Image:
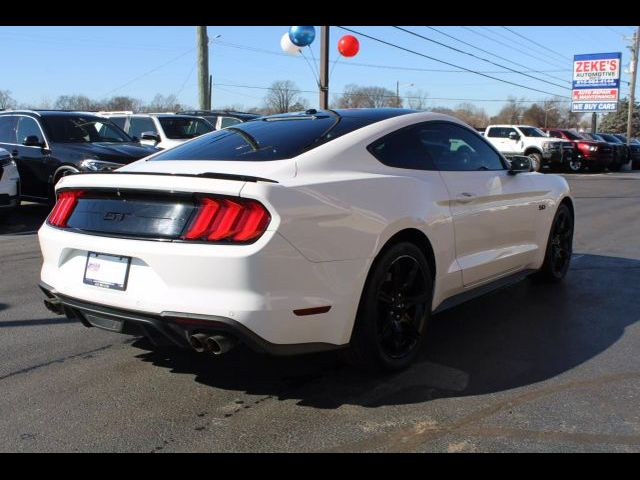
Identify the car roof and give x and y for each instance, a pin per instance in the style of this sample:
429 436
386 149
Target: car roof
372 114
50 113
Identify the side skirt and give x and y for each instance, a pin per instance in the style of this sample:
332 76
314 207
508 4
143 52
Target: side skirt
483 290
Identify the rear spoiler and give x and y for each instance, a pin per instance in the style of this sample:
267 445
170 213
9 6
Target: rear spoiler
219 176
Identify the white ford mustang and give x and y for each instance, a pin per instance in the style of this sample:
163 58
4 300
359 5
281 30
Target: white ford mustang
303 232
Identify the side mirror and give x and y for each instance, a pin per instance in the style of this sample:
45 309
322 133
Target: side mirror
32 141
519 163
150 136
514 136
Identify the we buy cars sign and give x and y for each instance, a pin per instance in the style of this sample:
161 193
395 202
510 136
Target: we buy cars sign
596 82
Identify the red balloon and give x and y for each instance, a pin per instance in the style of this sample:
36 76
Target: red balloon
348 46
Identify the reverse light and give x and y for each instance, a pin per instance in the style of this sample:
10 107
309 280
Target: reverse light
65 204
226 219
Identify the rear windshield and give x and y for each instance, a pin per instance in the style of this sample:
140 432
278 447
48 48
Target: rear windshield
271 138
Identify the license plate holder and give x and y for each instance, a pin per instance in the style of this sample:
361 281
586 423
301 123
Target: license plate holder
107 271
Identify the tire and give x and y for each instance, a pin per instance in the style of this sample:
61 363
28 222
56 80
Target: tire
557 257
575 166
537 161
394 310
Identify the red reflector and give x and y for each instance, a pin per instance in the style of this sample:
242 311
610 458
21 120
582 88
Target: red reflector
235 220
63 208
312 311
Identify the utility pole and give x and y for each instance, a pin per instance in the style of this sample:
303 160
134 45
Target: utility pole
397 93
594 122
210 92
203 67
634 68
324 68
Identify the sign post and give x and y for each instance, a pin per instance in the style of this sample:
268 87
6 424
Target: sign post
596 82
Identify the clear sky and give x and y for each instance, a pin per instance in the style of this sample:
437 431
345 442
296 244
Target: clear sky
44 62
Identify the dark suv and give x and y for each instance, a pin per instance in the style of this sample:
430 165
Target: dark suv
221 118
47 145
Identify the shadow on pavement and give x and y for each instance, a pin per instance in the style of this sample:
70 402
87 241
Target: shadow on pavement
511 338
24 220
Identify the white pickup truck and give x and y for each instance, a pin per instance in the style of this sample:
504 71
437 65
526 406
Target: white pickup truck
546 152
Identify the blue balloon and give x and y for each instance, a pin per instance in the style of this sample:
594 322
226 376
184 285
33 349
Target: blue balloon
302 36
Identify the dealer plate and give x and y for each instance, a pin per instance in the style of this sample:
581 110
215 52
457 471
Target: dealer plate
107 271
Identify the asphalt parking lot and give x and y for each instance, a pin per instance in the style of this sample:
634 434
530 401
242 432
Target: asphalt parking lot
527 368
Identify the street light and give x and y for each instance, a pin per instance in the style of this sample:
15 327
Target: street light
398 90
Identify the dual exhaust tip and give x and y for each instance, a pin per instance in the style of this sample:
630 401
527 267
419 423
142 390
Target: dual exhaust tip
216 344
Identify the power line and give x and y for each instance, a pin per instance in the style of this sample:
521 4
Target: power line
444 62
523 45
505 44
500 57
480 58
564 57
391 67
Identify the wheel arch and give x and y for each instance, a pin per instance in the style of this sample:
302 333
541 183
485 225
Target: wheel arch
531 150
419 239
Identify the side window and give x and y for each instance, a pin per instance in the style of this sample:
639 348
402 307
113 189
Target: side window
8 129
228 121
402 149
555 134
28 127
454 148
137 125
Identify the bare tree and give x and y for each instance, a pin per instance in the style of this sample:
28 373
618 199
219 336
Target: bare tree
162 103
355 96
6 101
284 96
123 103
511 113
417 99
472 115
76 102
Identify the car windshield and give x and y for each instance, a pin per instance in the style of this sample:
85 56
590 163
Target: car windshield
82 129
180 128
572 136
610 138
532 132
270 138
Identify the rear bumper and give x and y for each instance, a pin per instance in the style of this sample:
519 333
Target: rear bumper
173 327
259 287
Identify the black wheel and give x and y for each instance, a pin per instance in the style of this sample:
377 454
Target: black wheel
536 160
394 309
559 247
575 165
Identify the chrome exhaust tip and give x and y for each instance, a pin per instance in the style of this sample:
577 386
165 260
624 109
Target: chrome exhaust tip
220 344
198 342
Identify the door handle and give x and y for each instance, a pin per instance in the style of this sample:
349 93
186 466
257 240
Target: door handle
465 197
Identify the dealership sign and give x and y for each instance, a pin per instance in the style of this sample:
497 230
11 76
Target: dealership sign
596 82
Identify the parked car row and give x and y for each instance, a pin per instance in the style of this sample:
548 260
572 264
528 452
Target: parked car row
568 151
44 145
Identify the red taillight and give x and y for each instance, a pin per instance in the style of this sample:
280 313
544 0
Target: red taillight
224 219
63 208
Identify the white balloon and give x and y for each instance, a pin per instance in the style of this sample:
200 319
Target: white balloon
288 46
